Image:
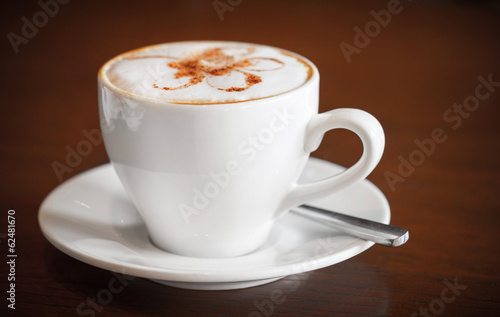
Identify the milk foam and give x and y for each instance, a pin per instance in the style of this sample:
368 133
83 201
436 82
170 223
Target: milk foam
206 72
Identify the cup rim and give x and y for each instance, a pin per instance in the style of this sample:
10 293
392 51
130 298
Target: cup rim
312 78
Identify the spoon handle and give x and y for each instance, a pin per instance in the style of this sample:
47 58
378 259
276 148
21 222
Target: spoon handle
362 228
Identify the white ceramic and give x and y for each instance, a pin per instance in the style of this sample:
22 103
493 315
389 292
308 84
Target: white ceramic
91 218
211 180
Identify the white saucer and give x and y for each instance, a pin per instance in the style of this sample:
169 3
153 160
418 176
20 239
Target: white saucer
90 217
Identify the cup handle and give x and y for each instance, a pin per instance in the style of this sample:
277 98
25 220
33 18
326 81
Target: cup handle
358 121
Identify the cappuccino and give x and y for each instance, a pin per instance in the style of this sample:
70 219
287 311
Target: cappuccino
206 72
209 139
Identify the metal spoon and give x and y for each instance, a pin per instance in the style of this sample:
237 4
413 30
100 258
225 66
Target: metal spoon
365 229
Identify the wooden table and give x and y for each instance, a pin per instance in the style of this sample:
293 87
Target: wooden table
421 68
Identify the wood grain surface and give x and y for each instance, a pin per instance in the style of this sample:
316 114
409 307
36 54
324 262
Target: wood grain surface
428 70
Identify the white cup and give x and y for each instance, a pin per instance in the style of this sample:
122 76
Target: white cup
210 180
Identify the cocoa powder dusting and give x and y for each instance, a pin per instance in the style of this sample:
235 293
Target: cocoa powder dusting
213 62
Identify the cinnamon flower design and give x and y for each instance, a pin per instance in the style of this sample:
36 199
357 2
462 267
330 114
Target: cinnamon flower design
214 62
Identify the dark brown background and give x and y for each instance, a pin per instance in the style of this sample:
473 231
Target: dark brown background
427 59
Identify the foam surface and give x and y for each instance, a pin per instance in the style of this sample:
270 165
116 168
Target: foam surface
206 72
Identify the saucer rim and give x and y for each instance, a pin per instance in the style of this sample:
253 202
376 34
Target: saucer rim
352 249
